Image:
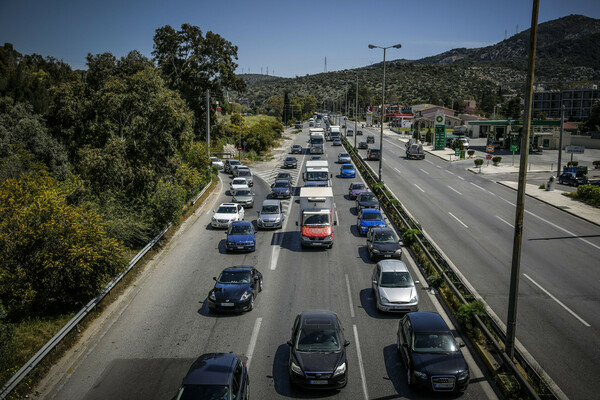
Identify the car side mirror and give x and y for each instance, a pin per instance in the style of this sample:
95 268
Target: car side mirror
289 343
461 344
296 223
417 282
374 282
346 343
214 278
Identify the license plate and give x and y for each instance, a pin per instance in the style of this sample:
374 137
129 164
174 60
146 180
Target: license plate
387 255
268 224
318 382
240 247
227 304
443 385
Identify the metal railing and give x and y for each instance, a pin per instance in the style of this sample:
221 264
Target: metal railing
65 330
487 325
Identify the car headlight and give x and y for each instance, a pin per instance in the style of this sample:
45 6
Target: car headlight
260 221
414 298
277 219
214 219
328 238
245 296
296 369
212 296
420 374
340 370
376 251
384 299
399 251
463 375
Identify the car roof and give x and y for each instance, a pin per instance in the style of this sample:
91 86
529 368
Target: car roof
228 204
366 193
211 369
370 211
347 165
282 180
427 322
296 145
318 319
392 266
270 202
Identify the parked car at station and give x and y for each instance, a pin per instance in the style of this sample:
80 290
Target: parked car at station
235 289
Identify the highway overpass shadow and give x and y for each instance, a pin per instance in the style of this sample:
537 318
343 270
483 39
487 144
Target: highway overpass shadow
353 211
281 379
367 303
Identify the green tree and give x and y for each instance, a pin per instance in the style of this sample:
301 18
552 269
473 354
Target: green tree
592 124
513 108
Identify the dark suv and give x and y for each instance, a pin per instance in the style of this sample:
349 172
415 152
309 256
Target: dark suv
318 351
432 357
215 376
373 154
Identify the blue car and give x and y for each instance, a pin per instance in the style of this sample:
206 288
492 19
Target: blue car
240 237
347 171
369 217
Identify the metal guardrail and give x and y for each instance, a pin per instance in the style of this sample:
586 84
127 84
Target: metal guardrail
485 323
65 330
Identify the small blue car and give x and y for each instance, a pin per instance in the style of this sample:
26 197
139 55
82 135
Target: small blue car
369 217
240 237
347 171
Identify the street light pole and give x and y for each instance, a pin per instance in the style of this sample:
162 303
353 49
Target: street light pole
562 126
397 46
356 112
240 137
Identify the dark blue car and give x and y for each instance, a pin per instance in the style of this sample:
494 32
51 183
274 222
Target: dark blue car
347 171
369 217
235 289
240 237
220 376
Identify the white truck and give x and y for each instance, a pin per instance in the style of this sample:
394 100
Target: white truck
317 172
334 132
316 140
317 217
414 149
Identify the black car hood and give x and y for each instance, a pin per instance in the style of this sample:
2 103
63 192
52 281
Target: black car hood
439 363
230 291
280 190
386 246
313 361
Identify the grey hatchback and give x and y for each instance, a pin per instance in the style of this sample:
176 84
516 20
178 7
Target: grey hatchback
270 215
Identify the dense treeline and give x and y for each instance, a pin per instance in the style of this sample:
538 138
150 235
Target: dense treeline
93 163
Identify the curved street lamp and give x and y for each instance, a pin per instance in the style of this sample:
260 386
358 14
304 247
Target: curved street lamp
372 46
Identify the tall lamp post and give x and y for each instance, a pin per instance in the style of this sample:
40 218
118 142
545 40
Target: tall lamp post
372 46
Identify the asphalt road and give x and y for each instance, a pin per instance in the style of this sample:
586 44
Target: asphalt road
143 347
472 218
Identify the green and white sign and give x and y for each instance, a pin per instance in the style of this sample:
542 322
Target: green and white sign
440 132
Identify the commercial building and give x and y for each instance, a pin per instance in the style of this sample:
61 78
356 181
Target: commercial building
578 102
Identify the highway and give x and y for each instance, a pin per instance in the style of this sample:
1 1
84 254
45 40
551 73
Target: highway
472 220
143 345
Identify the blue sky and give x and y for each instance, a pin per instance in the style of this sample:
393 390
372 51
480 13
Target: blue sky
290 37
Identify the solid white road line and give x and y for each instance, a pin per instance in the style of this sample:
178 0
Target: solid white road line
477 186
419 187
506 222
350 296
564 230
557 300
507 201
398 171
360 364
438 166
462 223
451 188
424 171
253 340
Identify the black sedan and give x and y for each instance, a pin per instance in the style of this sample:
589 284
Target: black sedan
366 200
318 351
290 162
235 289
383 243
432 358
363 145
215 376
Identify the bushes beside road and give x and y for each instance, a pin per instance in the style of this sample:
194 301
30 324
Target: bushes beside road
589 194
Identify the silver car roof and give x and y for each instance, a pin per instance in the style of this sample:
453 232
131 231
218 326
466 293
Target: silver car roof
392 266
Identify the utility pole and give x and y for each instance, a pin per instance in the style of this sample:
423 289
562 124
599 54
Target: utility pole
515 272
208 120
562 127
240 139
356 112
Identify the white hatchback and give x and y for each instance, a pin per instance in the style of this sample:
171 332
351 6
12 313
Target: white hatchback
226 214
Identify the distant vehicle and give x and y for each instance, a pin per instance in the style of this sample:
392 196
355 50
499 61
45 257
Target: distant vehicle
226 214
383 243
281 189
298 125
430 354
296 149
215 376
270 215
215 161
243 197
235 289
334 132
394 288
363 145
373 154
238 183
240 237
344 157
315 158
572 178
465 142
318 351
316 140
366 200
285 176
349 132
359 133
245 173
229 164
347 171
355 189
337 142
369 217
311 124
370 139
415 150
496 144
290 162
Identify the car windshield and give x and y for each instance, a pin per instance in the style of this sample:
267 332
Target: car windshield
373 151
239 181
284 176
396 279
434 343
283 184
234 277
356 186
209 392
316 219
226 210
242 192
317 140
344 155
371 217
385 237
232 163
368 197
318 340
240 230
317 176
270 210
347 167
290 159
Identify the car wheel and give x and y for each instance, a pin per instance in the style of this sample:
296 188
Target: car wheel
251 304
